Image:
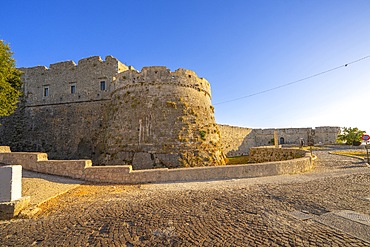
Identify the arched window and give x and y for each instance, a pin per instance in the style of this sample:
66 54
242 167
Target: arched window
281 140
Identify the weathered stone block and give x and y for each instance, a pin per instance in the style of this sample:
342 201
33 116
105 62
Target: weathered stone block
5 149
142 161
10 183
11 209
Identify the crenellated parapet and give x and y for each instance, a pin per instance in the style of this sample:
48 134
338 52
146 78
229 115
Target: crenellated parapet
94 79
66 82
62 66
160 75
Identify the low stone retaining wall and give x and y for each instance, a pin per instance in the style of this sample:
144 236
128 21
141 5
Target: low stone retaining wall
83 169
269 153
4 149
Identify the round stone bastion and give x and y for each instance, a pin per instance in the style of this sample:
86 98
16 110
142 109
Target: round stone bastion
158 118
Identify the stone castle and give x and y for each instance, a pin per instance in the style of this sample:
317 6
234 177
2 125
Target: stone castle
113 114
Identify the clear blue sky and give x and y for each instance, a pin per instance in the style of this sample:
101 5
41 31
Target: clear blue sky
241 47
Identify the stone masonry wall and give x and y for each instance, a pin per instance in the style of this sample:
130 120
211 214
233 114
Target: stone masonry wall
268 154
326 135
237 140
83 169
323 135
285 136
63 121
86 77
64 131
160 118
113 114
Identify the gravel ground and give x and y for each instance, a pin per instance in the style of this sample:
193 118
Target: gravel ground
288 210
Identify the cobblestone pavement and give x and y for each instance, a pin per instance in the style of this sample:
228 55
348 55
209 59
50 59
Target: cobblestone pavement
270 211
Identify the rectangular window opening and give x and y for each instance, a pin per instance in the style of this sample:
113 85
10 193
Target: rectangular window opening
46 91
102 85
73 89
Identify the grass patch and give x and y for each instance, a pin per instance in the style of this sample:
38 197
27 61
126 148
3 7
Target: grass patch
202 134
238 160
358 154
307 148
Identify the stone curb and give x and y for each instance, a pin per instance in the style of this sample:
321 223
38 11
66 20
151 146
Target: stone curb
352 156
10 210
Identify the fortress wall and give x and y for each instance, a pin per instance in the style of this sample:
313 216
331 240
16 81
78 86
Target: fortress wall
64 131
157 119
290 136
236 141
66 125
326 135
60 77
150 118
67 131
323 135
162 75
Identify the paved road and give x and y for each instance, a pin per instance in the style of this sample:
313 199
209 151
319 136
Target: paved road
296 210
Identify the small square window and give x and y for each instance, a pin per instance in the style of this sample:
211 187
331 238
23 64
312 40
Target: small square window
102 86
73 89
46 91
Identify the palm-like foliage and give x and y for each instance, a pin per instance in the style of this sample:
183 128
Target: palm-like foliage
350 135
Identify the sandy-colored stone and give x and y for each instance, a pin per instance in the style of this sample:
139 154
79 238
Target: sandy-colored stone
9 210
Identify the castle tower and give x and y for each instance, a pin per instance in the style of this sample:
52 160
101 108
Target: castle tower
62 108
158 118
108 112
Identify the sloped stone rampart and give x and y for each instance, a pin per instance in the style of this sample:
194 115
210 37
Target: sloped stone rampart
83 169
236 141
71 130
268 154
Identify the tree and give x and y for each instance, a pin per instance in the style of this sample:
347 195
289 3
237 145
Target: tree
10 81
350 136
